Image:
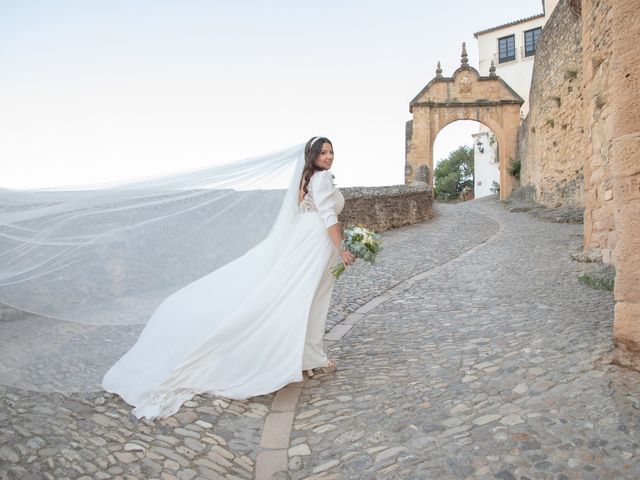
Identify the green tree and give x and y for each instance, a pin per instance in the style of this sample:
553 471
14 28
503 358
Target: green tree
454 173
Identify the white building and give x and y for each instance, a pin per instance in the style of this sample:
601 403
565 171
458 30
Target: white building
485 164
511 49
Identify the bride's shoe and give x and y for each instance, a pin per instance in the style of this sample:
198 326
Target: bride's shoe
328 368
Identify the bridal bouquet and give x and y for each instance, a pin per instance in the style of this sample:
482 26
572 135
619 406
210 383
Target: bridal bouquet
362 242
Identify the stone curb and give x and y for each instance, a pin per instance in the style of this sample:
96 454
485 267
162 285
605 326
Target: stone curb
274 442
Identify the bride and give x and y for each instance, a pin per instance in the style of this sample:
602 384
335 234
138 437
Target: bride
253 325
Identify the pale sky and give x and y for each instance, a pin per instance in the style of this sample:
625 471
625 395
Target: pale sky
93 91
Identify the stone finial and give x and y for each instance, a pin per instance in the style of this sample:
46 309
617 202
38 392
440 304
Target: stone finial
439 70
492 69
464 58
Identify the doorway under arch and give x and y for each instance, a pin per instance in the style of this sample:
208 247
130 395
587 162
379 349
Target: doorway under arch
482 141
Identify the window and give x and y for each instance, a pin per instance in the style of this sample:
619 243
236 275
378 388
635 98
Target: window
531 41
506 48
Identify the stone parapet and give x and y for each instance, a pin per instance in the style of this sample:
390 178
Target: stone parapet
383 208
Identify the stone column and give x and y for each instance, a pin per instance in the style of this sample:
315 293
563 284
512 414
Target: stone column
625 73
419 154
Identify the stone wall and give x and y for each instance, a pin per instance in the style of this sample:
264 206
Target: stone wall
624 78
600 237
383 208
550 138
564 144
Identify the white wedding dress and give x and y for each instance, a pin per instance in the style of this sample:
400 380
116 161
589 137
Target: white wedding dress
246 329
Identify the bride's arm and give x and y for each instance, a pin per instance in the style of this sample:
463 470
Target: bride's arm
322 186
336 237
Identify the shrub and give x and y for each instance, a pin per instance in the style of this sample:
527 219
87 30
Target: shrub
597 282
514 169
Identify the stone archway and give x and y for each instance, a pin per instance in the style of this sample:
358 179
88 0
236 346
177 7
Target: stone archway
464 96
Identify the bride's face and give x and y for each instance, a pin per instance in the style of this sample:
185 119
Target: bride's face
325 157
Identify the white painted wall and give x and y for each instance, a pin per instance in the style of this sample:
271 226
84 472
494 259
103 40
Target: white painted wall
485 164
549 5
517 73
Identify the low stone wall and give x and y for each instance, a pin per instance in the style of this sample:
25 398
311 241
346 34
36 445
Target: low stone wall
383 208
11 314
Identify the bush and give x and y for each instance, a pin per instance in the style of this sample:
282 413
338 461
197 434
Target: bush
514 169
495 187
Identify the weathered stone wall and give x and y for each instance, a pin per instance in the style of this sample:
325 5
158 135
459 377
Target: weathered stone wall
564 144
550 138
383 208
624 74
600 237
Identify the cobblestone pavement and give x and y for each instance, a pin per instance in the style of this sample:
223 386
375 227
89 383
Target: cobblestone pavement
407 252
495 364
479 355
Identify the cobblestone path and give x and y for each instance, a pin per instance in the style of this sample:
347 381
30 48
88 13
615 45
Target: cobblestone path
473 352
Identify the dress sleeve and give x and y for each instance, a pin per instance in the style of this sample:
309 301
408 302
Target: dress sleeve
322 192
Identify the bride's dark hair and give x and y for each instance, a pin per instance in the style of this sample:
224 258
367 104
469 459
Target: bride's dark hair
311 153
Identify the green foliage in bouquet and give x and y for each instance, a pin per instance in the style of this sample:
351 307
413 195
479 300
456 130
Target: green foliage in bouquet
362 242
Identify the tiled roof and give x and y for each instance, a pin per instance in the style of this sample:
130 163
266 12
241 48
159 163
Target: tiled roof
515 22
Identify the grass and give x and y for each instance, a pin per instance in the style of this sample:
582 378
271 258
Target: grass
598 283
514 168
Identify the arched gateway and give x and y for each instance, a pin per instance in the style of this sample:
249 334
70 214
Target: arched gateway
464 96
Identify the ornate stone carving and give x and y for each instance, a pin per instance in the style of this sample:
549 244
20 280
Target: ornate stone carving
465 84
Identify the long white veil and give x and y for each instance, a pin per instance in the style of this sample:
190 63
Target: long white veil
82 270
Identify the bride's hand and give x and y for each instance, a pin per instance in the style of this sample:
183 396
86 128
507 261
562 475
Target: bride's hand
347 257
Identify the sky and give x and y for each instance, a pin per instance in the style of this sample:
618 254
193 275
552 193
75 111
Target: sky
94 92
